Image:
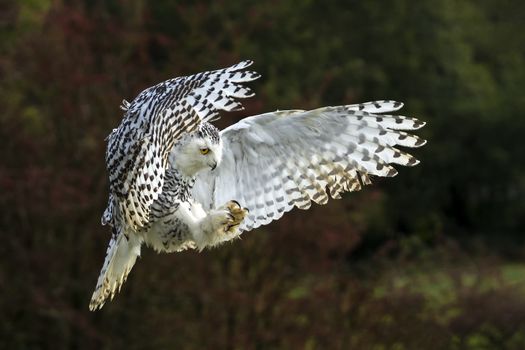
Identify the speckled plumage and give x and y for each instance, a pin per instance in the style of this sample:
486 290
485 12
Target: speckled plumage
138 149
143 185
163 193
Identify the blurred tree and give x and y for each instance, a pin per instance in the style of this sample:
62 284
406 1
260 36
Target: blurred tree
350 275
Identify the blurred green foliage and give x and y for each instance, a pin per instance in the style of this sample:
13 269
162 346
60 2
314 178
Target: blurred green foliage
432 259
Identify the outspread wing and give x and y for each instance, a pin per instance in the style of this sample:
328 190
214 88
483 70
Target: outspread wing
137 150
277 161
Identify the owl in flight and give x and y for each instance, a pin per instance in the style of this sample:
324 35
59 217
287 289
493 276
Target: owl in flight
177 182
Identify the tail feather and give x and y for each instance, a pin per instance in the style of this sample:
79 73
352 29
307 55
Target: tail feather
121 255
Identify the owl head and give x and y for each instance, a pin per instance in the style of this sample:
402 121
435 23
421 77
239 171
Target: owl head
197 151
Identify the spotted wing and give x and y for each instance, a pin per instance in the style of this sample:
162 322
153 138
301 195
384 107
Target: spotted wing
137 150
277 161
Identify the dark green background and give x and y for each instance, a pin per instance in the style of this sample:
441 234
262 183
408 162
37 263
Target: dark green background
432 259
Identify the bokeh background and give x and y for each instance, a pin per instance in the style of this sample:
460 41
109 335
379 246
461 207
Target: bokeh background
432 259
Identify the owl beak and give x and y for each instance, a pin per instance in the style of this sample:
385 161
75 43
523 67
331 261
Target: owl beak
213 166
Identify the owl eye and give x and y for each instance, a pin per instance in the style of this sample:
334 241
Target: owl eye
205 150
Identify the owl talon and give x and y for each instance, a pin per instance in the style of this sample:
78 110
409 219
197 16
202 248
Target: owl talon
232 228
236 213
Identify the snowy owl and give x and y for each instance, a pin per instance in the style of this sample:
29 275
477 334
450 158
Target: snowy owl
177 182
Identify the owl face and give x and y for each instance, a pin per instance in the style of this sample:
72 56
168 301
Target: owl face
205 151
198 151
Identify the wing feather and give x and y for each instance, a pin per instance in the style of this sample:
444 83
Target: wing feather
288 159
138 149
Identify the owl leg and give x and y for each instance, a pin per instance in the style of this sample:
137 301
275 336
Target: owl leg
191 227
238 213
220 225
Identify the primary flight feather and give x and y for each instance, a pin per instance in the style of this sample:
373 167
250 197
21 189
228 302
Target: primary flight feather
176 182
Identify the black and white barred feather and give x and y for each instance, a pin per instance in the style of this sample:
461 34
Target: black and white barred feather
276 161
143 186
138 149
271 163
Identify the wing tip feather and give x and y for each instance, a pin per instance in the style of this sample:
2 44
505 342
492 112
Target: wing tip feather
420 142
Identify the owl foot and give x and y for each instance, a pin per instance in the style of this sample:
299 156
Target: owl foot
238 213
222 224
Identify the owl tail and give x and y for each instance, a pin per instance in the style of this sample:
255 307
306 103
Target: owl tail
121 255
